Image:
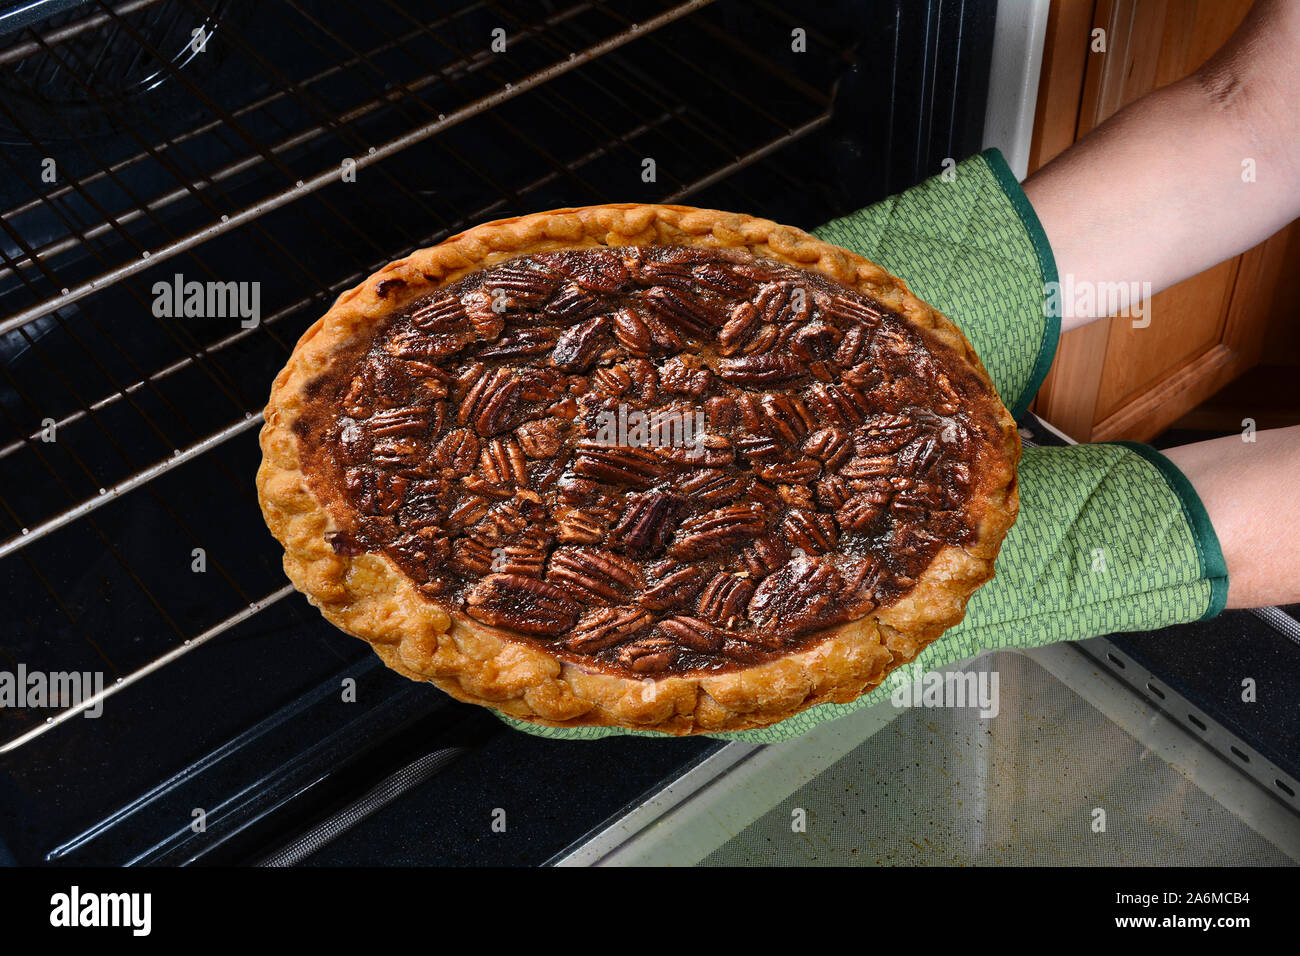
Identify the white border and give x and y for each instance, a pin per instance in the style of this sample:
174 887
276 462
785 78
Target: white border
1018 35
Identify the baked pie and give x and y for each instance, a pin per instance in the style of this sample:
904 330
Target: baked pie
651 466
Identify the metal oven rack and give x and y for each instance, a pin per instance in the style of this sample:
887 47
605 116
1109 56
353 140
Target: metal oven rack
214 179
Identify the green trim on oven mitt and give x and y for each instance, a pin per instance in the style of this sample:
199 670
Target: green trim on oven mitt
1110 538
968 242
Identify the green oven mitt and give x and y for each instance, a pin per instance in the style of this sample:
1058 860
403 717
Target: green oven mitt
1110 537
968 242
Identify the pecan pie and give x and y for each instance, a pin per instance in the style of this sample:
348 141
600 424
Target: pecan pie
651 466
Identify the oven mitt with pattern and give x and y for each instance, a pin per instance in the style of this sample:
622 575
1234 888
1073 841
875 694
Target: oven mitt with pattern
968 242
1110 537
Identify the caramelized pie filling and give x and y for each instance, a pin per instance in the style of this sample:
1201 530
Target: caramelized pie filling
651 460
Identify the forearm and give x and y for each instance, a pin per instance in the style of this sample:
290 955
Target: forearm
1157 193
1249 490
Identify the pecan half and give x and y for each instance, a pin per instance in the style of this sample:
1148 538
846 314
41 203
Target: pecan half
520 603
648 655
502 463
521 343
426 550
457 451
720 277
594 575
725 598
540 384
632 333
798 598
444 314
831 446
739 328
705 450
579 347
638 467
884 433
582 525
713 486
604 627
602 273
682 310
786 417
396 452
539 439
853 347
758 447
919 457
766 554
862 511
505 520
858 593
761 370
415 344
832 492
785 303
467 511
693 633
472 556
797 472
838 403
849 311
675 587
815 342
489 401
810 530
613 381
874 466
573 303
648 522
679 375
675 275
375 492
716 530
411 420
514 288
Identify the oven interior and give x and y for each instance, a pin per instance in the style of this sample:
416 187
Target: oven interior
294 147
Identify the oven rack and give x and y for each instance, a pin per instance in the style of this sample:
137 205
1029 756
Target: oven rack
230 215
34 268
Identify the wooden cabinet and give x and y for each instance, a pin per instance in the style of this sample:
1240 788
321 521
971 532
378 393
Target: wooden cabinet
1111 380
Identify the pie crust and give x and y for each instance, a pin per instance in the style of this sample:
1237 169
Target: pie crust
365 592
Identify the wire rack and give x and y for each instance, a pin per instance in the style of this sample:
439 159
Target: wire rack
292 147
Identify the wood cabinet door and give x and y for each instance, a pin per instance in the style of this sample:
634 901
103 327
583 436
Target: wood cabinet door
1117 378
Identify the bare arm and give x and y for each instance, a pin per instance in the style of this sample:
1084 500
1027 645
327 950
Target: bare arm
1252 492
1156 193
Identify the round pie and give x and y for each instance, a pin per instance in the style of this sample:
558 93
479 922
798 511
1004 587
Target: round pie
657 467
